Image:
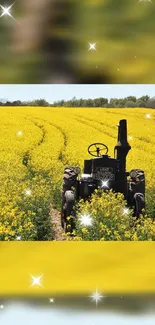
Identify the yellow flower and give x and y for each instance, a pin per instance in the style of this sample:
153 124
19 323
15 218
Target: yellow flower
84 230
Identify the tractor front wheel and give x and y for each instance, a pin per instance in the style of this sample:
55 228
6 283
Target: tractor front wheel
69 211
68 199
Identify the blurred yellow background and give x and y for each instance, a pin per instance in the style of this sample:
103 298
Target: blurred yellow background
77 267
50 41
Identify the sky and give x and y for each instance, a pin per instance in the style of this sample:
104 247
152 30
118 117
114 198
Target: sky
53 93
20 314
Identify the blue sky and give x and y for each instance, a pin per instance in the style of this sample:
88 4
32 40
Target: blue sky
56 92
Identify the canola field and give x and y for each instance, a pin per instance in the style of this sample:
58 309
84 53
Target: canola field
37 143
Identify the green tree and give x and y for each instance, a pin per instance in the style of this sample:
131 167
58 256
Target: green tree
132 98
130 103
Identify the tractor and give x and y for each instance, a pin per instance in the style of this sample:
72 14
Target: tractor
105 172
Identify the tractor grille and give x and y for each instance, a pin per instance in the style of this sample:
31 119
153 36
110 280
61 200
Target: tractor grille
104 174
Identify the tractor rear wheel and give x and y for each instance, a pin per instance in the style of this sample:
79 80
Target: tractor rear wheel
136 197
68 199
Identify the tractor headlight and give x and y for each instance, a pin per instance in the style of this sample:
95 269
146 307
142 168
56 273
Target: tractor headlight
86 176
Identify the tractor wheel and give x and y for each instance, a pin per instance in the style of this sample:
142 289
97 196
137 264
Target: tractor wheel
69 211
136 197
68 199
139 204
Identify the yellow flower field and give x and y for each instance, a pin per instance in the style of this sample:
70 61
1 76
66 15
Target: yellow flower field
37 143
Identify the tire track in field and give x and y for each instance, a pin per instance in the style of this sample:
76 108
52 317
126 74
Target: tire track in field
96 121
27 156
110 127
56 223
41 222
62 132
54 214
137 115
82 120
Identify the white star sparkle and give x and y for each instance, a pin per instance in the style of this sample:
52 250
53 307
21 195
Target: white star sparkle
18 238
6 11
36 281
19 133
51 300
125 211
96 296
105 184
85 220
92 46
28 192
130 137
1 306
148 115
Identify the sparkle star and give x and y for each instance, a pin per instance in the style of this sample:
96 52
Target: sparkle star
51 300
6 11
105 184
130 137
96 296
28 192
92 46
125 211
19 133
36 281
1 306
85 220
18 238
148 115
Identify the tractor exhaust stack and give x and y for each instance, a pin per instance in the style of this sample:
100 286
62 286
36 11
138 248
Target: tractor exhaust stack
122 146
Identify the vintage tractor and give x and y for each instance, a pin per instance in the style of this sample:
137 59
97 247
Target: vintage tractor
106 173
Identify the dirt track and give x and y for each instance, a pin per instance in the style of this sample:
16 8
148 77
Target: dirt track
56 224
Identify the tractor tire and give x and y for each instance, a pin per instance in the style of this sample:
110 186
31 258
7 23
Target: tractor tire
139 204
69 210
136 197
68 199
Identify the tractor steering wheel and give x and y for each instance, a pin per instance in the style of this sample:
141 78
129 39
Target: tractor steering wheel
98 148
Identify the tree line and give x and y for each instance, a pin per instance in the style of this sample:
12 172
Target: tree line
130 101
